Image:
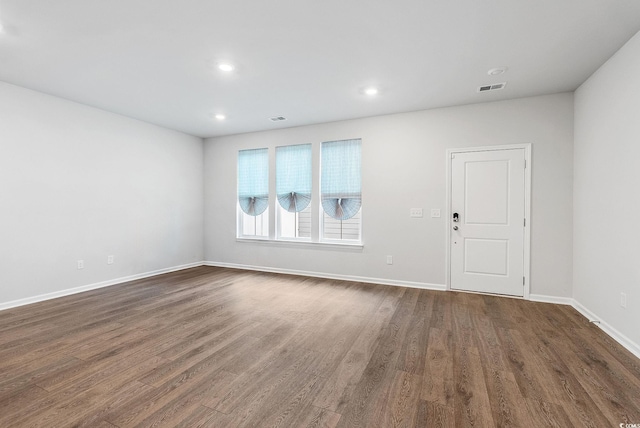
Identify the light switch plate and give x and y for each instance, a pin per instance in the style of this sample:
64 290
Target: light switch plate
435 213
415 212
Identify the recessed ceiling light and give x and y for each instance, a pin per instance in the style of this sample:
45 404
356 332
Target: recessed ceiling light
225 66
220 116
371 91
496 71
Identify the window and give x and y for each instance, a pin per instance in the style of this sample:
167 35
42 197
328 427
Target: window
341 190
293 190
253 193
336 216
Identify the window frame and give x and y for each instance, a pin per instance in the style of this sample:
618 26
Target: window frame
279 237
241 216
342 241
280 210
240 223
273 225
321 212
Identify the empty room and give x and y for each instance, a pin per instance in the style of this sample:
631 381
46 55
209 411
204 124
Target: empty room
319 214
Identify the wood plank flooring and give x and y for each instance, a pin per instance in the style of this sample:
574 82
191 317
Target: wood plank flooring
211 347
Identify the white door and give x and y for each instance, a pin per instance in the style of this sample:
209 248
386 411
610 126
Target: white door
487 221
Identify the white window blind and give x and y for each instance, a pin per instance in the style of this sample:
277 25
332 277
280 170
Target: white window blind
293 177
253 181
341 182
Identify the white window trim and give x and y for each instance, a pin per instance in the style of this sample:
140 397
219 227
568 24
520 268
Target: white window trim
320 222
316 240
279 237
340 241
240 225
299 244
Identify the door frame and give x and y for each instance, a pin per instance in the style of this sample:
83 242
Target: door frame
527 209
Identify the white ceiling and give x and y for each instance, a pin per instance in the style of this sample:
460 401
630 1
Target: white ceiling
307 60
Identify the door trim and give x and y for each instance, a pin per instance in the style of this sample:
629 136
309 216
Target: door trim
527 209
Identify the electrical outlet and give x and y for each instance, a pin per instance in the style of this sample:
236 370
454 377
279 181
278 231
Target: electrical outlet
389 260
623 300
80 264
109 260
435 213
415 212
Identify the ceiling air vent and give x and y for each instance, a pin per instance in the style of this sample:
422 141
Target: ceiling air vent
493 87
277 118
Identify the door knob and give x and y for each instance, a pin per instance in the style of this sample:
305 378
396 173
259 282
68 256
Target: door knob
455 227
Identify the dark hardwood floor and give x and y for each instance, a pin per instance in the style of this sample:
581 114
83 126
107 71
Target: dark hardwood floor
225 348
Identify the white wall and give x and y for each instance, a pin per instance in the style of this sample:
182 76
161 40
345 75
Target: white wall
81 183
404 164
606 193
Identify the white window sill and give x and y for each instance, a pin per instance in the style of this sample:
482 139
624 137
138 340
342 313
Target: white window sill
347 246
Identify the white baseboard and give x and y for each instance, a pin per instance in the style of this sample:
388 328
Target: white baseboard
623 340
382 281
551 299
75 290
633 347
